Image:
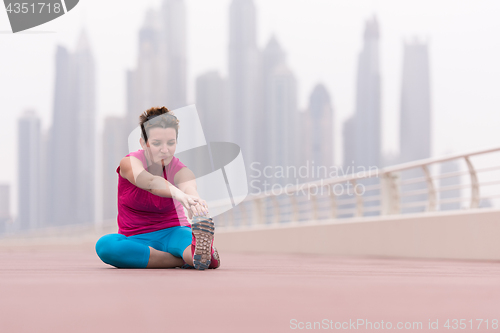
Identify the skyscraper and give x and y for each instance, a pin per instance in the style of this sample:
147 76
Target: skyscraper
212 106
29 157
5 217
362 139
160 76
85 106
45 165
349 137
366 146
114 139
245 96
146 86
305 142
173 42
61 186
72 163
283 120
278 130
272 56
320 114
415 127
415 119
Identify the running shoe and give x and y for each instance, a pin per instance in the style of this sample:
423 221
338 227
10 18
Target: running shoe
215 260
203 238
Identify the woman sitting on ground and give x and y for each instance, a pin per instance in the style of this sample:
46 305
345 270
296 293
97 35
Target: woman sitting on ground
153 188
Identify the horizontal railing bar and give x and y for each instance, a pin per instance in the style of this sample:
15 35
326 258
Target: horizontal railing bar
373 187
412 193
495 182
457 199
488 169
490 197
453 187
353 210
414 204
344 205
372 209
346 201
419 163
434 177
372 198
449 174
412 181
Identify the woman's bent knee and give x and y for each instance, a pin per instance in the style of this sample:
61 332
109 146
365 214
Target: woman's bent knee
106 247
119 251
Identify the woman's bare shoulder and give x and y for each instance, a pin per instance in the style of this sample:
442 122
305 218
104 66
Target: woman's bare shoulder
130 168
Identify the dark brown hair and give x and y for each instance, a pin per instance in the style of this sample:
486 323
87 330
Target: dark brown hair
153 118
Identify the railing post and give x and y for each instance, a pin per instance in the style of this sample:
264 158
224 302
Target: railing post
230 218
431 190
258 211
295 208
276 209
390 193
314 204
359 199
244 214
474 199
220 221
333 201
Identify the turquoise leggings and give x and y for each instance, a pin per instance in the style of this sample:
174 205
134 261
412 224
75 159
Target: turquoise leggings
133 251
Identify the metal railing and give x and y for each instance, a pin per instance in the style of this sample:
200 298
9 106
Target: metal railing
405 188
385 192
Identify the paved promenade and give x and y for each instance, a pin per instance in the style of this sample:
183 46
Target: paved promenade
66 288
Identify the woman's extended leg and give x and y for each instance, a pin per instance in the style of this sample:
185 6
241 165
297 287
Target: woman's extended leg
119 251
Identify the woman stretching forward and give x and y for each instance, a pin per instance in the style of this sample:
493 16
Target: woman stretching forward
153 188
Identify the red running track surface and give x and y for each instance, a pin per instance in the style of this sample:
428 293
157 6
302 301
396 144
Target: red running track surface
68 289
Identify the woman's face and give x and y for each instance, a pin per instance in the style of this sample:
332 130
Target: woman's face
162 144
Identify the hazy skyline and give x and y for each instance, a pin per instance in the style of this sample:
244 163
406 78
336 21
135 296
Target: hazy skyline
321 39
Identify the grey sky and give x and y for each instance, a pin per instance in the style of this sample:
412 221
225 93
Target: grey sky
322 39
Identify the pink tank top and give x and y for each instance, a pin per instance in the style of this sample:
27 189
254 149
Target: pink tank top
140 211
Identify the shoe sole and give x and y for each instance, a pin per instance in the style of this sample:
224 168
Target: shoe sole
203 231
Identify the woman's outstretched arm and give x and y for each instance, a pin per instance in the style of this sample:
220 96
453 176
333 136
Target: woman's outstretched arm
186 181
132 169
